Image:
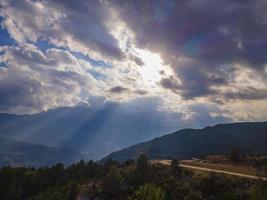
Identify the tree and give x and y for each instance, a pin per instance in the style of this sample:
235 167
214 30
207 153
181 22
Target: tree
142 162
150 192
265 169
113 182
234 155
176 169
13 193
142 168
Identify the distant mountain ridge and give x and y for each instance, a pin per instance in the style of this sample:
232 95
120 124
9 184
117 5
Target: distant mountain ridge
14 153
95 132
247 137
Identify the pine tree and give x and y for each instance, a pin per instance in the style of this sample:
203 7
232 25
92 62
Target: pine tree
142 168
176 169
234 155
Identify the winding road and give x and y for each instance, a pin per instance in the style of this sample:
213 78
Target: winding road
166 162
223 172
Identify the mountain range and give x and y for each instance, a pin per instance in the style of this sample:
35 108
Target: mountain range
248 138
93 132
69 134
14 153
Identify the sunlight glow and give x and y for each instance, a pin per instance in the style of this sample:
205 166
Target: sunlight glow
153 67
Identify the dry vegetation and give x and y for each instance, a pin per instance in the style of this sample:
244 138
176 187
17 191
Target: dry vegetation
245 166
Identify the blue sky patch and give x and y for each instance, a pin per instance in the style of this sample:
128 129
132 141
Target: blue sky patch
96 63
97 75
3 65
43 45
5 38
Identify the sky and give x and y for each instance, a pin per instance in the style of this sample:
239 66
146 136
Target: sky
197 62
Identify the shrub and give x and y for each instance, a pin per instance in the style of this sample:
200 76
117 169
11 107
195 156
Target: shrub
150 192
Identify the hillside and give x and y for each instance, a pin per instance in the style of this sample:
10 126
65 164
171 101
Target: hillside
95 132
140 180
187 143
14 153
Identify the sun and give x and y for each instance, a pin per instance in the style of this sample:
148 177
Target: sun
153 68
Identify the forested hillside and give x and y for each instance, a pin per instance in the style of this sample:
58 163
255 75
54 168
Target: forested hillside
133 180
248 138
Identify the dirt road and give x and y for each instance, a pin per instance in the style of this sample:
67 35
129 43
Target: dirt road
167 162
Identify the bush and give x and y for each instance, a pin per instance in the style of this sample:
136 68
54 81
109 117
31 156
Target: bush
259 191
150 192
113 182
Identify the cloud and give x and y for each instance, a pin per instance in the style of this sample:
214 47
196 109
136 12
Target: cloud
208 114
212 35
118 89
198 82
81 26
211 31
34 81
19 94
141 92
247 94
193 80
170 83
206 52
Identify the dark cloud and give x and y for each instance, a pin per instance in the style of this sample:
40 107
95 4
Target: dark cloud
141 92
118 89
19 93
170 83
206 29
137 60
195 81
212 33
247 94
161 72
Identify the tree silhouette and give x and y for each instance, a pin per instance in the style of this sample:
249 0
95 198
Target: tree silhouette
176 169
142 168
234 155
